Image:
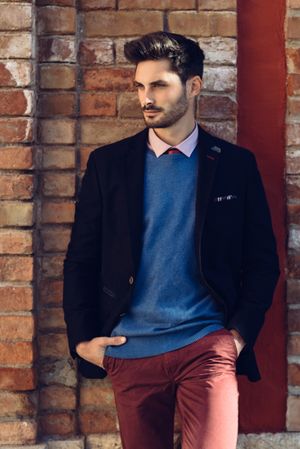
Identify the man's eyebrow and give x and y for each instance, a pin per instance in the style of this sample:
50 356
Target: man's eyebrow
137 83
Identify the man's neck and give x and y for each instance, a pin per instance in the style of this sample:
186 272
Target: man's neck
173 135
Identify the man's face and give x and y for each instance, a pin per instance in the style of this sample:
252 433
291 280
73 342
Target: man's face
161 94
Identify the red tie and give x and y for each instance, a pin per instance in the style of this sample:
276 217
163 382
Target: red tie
172 151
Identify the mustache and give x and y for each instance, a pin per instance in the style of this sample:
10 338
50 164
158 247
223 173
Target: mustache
150 108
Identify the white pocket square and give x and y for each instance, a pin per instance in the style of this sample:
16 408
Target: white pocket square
225 198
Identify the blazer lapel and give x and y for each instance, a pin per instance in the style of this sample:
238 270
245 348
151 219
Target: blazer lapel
134 166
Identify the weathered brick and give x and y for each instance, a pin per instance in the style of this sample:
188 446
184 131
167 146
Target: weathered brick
70 443
293 413
51 318
17 45
57 397
216 106
55 239
56 20
101 131
14 241
57 131
294 4
121 23
16 102
294 320
111 79
16 186
293 161
293 59
293 27
58 48
12 404
21 379
14 130
97 396
219 79
84 154
98 104
18 432
56 104
14 73
16 158
96 51
58 157
293 106
225 129
58 184
293 134
203 23
293 84
294 374
293 347
97 421
57 424
293 289
219 50
15 17
218 5
16 353
129 106
53 345
16 213
57 76
51 292
88 5
15 299
52 266
58 372
293 186
14 327
16 268
293 263
157 4
53 212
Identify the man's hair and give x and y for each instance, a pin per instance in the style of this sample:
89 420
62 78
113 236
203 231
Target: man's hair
185 55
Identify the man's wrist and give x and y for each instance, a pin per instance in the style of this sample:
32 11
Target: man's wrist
238 336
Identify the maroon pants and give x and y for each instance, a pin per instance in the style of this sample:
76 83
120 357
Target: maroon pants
200 378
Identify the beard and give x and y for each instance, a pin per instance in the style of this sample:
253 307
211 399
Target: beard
169 117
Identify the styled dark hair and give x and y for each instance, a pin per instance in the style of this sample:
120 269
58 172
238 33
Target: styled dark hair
185 55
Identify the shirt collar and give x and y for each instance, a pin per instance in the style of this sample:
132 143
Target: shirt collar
186 146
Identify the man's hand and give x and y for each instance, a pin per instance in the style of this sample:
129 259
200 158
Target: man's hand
93 350
238 339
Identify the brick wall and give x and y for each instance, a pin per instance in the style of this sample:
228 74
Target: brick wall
65 88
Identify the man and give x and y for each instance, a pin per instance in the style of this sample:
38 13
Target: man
172 262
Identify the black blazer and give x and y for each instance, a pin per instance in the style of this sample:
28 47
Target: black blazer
234 242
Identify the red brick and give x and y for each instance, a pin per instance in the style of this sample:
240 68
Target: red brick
101 132
56 104
57 424
58 372
55 239
203 23
16 158
157 4
218 5
98 104
57 397
294 320
55 2
121 23
58 184
58 48
13 130
21 379
293 59
97 396
18 432
293 161
16 45
14 327
293 85
16 268
15 17
84 154
15 299
52 266
293 27
89 5
58 157
129 106
56 20
15 242
53 212
97 421
57 131
115 79
293 347
293 134
293 265
12 404
215 106
93 51
293 413
15 102
51 319
294 374
16 213
57 76
51 292
16 186
294 4
53 345
293 106
15 73
16 353
293 214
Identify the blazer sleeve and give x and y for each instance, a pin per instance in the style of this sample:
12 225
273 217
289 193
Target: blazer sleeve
81 267
260 269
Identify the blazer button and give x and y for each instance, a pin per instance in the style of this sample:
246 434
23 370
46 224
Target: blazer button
131 280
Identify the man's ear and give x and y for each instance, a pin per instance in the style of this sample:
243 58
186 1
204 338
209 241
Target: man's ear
194 85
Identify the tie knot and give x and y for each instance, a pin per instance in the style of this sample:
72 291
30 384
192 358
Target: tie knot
172 150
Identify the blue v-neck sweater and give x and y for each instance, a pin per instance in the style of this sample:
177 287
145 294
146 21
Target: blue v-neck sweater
170 308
